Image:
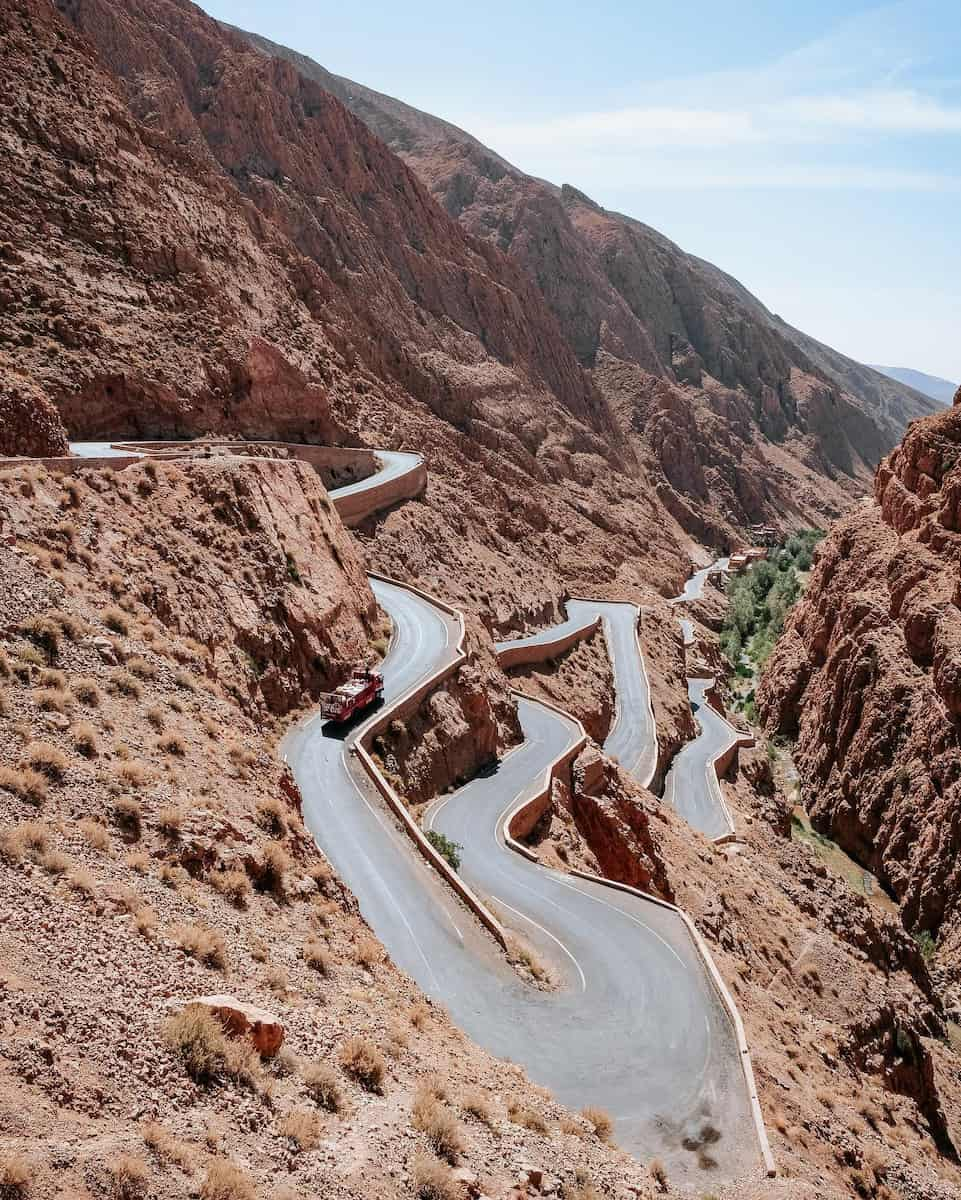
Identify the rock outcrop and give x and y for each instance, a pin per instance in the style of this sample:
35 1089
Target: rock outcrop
30 425
868 677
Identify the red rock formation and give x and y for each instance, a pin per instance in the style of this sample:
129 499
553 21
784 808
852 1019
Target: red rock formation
868 674
30 425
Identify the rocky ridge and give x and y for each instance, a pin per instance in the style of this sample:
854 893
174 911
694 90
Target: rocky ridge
867 677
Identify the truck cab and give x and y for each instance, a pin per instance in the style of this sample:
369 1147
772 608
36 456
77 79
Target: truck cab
364 688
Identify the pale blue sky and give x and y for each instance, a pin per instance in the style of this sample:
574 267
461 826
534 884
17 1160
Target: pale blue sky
813 151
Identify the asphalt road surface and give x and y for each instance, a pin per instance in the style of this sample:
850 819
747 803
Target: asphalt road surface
632 738
687 786
635 1025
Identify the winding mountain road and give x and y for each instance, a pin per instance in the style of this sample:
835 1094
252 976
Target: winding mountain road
635 1027
635 1024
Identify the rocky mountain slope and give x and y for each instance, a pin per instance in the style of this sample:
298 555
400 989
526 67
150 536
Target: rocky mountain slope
867 676
934 386
207 239
618 288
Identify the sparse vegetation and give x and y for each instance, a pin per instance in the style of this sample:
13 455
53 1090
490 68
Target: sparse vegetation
86 691
303 1127
83 736
116 621
26 840
321 1081
47 759
128 1176
448 850
272 816
16 1174
224 1181
233 884
600 1121
126 684
317 956
433 1180
128 814
435 1119
475 1103
203 944
362 1060
25 783
527 1118
205 1050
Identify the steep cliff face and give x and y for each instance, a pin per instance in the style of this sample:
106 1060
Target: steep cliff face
30 425
868 674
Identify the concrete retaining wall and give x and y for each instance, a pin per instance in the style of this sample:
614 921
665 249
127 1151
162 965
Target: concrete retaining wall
522 653
358 506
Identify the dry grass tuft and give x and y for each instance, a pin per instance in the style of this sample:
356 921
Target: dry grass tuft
54 862
141 668
134 773
155 717
527 1118
321 1081
26 840
274 867
433 1180
317 956
303 1127
167 1145
50 699
82 882
116 621
128 814
129 1176
47 759
170 821
233 884
125 684
419 1014
224 1181
203 944
205 1050
600 1121
440 1125
16 1175
86 691
658 1173
172 743
362 1060
475 1103
272 816
84 739
368 953
25 783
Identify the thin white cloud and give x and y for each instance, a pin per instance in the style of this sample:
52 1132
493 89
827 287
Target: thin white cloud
883 112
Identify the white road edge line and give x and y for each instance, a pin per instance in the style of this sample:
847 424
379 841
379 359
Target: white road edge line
547 932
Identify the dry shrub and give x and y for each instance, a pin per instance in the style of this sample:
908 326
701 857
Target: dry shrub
362 1060
83 737
419 1014
475 1103
25 783
127 813
26 840
128 1176
276 979
320 1080
210 727
272 816
528 958
86 691
54 862
16 1175
368 952
826 1097
206 1051
583 1189
274 867
600 1120
172 743
183 679
167 1145
47 759
51 699
134 773
303 1127
317 956
170 821
155 717
5 668
50 678
138 861
203 944
433 1180
82 882
224 1181
233 884
4 703
658 1173
43 633
125 684
440 1125
527 1118
397 1039
116 621
141 668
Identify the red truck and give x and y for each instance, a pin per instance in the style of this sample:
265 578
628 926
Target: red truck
360 691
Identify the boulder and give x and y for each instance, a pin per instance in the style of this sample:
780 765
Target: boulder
240 1019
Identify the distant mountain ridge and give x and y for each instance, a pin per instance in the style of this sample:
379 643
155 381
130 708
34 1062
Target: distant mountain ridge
939 389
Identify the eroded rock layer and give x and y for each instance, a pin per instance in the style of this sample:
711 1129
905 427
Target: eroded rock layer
868 675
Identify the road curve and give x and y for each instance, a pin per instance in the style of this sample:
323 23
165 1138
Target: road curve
632 738
636 1026
689 786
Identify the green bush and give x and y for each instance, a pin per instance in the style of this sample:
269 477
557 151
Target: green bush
445 847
